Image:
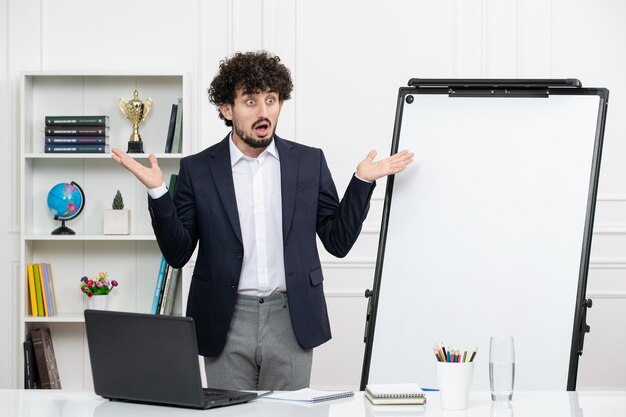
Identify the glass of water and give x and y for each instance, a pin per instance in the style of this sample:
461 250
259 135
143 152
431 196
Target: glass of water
501 368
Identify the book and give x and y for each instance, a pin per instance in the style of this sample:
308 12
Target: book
51 362
75 148
172 292
47 282
44 298
170 130
178 129
395 394
309 395
45 359
54 296
38 291
31 290
52 121
46 288
40 357
78 140
158 287
173 182
163 287
31 376
77 131
166 289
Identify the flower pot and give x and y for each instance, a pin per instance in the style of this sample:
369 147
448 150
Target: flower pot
116 222
98 302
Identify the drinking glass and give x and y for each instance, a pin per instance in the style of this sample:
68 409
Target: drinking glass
501 368
500 409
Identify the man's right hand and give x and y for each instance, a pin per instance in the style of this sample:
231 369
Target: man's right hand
150 177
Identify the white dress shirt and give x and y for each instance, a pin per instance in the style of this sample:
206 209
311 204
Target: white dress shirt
259 205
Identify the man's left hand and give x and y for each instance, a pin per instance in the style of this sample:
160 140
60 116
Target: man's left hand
371 171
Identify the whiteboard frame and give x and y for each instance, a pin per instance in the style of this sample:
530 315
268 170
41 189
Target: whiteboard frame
497 88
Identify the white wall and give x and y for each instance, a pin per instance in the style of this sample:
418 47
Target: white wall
348 59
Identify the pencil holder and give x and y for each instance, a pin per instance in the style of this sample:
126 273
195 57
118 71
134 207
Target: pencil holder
454 380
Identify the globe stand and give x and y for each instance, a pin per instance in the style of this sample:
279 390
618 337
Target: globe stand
63 230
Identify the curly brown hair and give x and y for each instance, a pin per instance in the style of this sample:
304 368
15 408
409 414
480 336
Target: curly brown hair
254 72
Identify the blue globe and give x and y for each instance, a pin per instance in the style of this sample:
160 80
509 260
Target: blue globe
66 201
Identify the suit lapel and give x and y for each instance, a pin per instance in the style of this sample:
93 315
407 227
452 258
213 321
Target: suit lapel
288 180
222 172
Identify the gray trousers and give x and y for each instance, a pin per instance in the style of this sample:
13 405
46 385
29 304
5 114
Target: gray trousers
261 351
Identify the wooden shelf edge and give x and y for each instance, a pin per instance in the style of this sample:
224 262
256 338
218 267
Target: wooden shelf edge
59 318
89 237
38 155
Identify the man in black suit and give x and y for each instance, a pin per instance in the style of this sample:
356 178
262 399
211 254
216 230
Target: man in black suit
254 203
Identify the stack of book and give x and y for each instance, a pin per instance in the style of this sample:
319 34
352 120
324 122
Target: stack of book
167 283
166 289
40 364
174 140
77 134
41 290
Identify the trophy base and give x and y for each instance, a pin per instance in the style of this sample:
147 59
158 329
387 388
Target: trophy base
135 147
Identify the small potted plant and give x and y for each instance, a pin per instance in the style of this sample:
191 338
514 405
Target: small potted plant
97 289
117 218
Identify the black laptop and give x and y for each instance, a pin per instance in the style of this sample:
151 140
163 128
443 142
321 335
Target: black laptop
152 359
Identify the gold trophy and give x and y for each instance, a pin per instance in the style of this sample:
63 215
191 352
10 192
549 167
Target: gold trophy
136 111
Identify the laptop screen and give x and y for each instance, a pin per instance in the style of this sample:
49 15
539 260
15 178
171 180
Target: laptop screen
144 357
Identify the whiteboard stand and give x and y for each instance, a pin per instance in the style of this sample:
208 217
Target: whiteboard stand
489 231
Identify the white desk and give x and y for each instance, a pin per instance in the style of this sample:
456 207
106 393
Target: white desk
24 403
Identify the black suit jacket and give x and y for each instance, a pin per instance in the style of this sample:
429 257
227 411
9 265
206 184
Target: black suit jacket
204 211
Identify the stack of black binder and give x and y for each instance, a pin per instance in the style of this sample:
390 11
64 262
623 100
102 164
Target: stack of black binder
76 134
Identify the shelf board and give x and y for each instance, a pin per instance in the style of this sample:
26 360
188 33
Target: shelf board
79 237
39 155
81 74
58 318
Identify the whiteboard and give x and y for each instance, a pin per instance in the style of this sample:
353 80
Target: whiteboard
486 233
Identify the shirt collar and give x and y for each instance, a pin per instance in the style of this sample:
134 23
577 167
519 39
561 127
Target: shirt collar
236 154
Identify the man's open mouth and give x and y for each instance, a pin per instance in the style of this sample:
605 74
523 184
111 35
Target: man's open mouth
262 127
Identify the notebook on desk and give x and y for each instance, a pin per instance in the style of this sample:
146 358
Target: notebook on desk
395 394
150 359
308 395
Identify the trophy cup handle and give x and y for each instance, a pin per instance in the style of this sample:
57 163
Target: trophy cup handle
147 106
122 105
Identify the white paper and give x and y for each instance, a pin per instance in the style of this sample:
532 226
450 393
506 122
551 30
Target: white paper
309 395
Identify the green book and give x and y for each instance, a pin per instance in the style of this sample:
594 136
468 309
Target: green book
172 187
38 291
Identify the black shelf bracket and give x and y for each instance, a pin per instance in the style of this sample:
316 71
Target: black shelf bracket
369 295
584 327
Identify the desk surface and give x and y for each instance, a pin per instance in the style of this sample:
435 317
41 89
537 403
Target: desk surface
44 403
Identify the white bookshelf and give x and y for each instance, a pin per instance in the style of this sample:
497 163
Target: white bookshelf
133 259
